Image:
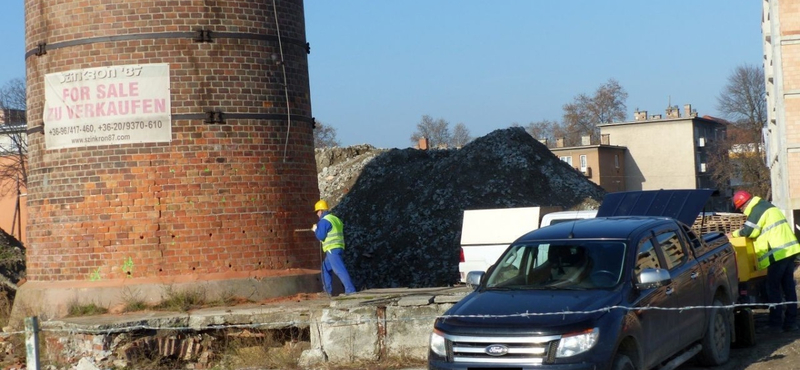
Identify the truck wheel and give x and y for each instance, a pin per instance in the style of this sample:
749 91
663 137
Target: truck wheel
717 341
622 362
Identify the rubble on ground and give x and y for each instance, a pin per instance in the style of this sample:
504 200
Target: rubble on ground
338 169
403 208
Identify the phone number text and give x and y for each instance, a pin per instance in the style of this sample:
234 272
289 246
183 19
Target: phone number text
106 127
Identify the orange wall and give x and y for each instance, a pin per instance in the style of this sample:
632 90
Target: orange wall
7 205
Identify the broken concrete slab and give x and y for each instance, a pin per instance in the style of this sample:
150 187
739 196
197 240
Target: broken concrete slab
416 300
365 326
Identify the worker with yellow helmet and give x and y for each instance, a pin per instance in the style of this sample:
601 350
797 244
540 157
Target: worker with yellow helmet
330 231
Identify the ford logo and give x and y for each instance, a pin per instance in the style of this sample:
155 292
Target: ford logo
496 350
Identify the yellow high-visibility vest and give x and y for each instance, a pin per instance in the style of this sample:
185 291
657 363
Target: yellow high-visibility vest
335 237
772 235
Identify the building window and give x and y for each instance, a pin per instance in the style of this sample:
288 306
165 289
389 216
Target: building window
567 159
616 160
583 163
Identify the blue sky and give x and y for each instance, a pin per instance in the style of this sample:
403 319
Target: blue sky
12 44
377 66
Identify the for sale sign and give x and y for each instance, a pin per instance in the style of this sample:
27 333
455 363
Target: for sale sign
107 106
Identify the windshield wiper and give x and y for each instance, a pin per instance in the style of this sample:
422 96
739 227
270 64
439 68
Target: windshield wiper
502 288
566 287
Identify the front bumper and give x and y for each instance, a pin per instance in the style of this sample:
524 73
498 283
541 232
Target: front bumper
441 365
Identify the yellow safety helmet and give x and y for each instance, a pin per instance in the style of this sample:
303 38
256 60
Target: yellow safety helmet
321 205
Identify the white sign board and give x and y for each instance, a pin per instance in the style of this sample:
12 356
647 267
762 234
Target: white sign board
107 106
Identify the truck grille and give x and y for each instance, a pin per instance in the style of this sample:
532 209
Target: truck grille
529 350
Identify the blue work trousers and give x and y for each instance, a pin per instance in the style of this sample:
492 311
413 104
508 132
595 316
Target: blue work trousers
781 288
333 262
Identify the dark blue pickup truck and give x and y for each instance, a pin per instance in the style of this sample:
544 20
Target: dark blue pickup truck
634 288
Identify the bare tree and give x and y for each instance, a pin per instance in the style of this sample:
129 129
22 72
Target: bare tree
461 135
743 100
13 136
741 159
12 95
435 130
545 130
738 160
582 116
324 136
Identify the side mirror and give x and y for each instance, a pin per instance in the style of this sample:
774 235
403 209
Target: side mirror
474 279
652 278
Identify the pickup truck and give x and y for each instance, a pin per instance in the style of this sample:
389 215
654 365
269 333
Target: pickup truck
633 288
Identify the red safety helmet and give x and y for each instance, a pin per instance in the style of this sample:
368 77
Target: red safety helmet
740 198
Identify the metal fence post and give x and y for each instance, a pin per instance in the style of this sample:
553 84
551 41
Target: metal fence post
32 342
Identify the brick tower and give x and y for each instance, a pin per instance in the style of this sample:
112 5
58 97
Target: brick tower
170 145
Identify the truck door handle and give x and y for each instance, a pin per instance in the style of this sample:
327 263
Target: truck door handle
694 275
669 291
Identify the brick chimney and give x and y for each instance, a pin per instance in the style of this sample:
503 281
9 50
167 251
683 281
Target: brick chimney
560 142
78 241
673 112
423 143
687 111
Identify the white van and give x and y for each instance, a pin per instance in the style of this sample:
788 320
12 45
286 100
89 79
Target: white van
486 233
564 216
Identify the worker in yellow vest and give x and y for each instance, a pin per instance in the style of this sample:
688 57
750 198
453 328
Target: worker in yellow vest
330 231
775 247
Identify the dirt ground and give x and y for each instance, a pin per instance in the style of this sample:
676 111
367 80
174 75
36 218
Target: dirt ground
771 352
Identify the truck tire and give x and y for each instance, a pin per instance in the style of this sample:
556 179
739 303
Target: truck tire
717 341
622 362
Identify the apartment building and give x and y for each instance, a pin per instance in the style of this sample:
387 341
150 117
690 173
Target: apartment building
780 28
665 152
13 209
602 164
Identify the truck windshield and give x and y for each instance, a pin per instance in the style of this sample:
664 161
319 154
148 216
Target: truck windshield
567 265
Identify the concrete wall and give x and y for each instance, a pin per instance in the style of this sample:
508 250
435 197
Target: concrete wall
369 326
660 155
781 31
790 52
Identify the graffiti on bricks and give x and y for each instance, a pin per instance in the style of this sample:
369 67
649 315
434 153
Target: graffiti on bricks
127 267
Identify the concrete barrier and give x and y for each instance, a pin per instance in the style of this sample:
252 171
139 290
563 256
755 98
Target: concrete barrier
367 326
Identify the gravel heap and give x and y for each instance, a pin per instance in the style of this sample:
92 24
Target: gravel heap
403 208
338 169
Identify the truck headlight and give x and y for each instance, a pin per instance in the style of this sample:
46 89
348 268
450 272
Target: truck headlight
438 344
575 343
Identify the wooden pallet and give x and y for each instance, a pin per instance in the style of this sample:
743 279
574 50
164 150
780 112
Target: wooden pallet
720 222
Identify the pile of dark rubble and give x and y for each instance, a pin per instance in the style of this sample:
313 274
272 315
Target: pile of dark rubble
403 208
